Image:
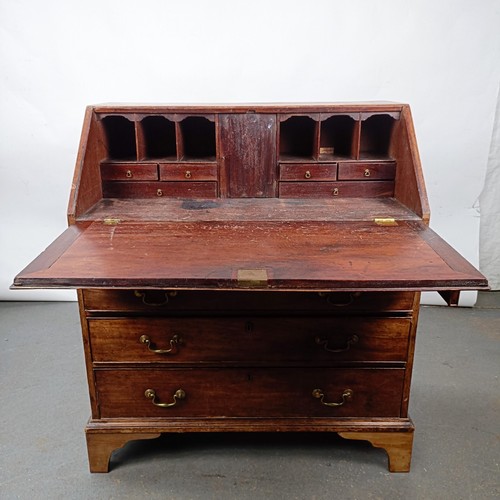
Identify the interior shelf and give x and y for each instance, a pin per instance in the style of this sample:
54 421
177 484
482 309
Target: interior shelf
297 138
376 136
336 137
120 138
198 139
159 138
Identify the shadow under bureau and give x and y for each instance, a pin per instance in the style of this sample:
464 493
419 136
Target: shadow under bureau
249 268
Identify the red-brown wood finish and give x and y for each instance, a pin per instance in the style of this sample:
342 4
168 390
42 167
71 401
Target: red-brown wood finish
249 267
174 302
300 256
278 340
248 155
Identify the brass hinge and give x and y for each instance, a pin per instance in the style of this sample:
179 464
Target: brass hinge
111 222
385 221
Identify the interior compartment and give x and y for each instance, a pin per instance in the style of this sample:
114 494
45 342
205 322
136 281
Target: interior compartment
159 137
336 137
198 138
297 136
120 138
376 136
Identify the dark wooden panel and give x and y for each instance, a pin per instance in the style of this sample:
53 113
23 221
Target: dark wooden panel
308 171
251 339
294 255
368 189
129 171
367 171
188 171
187 189
251 392
248 143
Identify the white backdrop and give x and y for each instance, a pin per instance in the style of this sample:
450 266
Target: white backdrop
442 57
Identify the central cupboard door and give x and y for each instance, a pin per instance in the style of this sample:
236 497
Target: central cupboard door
248 153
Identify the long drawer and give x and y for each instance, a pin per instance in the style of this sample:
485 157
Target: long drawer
169 301
253 392
260 339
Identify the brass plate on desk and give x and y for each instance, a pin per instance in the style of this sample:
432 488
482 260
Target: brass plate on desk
252 277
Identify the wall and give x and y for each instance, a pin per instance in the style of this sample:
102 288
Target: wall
56 57
489 235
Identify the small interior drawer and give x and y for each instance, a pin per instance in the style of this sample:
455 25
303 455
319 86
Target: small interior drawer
250 392
129 171
188 171
367 170
308 172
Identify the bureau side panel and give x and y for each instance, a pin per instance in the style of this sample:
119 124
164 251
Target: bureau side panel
87 350
86 188
411 352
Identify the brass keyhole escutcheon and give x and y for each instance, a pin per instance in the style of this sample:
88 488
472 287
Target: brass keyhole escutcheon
335 192
367 172
307 175
187 175
129 173
159 192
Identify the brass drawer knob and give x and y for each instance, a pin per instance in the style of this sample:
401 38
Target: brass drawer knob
129 173
174 345
349 342
187 175
335 192
307 175
346 396
151 394
367 172
159 192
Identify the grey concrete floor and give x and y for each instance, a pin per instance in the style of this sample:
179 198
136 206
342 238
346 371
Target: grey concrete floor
44 407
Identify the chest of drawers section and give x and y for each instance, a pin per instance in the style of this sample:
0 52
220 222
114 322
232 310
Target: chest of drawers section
227 360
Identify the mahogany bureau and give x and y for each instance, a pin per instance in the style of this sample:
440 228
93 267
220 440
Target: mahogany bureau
249 268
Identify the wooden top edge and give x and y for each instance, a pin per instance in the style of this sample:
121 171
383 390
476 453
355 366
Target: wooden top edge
249 107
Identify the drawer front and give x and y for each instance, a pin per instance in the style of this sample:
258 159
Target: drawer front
188 171
307 171
253 340
129 171
347 189
207 302
367 171
183 189
253 392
